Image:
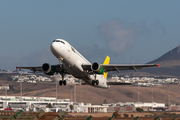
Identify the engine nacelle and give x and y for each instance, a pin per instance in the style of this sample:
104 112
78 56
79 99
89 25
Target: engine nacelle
47 69
97 68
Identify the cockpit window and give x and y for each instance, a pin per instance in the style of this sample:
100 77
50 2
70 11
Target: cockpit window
56 41
62 42
59 41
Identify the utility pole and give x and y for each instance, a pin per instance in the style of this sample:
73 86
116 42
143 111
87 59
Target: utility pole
21 88
6 96
72 95
138 93
21 91
74 92
55 78
152 93
56 91
169 98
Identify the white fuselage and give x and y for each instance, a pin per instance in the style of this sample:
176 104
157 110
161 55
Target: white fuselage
72 61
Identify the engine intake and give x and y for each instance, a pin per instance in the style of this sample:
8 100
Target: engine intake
97 68
47 69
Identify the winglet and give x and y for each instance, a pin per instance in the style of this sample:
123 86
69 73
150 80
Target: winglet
159 65
106 62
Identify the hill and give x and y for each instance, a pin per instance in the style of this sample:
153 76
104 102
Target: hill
169 62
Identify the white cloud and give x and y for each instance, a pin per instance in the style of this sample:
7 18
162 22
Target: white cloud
117 36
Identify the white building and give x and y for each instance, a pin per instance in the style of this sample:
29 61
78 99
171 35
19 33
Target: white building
153 105
47 104
6 87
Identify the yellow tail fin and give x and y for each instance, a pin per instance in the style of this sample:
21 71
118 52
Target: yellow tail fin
106 62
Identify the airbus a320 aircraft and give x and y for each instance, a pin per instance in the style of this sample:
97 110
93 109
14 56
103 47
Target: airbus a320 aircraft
72 62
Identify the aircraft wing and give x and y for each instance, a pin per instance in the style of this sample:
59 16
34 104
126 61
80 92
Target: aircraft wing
34 69
114 67
56 68
127 67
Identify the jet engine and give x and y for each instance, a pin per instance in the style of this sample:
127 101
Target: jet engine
47 69
97 68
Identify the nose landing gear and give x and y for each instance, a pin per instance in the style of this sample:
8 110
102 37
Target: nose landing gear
62 82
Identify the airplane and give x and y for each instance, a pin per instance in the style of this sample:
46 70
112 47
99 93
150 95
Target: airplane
73 63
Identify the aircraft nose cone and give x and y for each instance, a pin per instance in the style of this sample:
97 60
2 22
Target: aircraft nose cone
57 49
54 47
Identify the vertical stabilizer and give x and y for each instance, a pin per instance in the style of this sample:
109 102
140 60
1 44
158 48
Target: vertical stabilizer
106 62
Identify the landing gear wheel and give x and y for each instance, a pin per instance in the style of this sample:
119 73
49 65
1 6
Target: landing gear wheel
93 82
97 82
60 82
64 83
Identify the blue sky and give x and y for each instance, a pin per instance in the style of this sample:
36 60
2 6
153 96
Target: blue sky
129 31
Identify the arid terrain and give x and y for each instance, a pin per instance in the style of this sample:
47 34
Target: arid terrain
89 94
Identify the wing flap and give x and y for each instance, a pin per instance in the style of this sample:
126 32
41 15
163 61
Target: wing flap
113 67
30 68
57 68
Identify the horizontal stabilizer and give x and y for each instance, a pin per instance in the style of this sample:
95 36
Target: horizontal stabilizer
112 83
118 83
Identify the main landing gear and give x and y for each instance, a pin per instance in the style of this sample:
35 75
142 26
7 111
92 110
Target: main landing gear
62 82
95 82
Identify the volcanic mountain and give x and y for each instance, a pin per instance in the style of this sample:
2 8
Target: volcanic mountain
169 65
